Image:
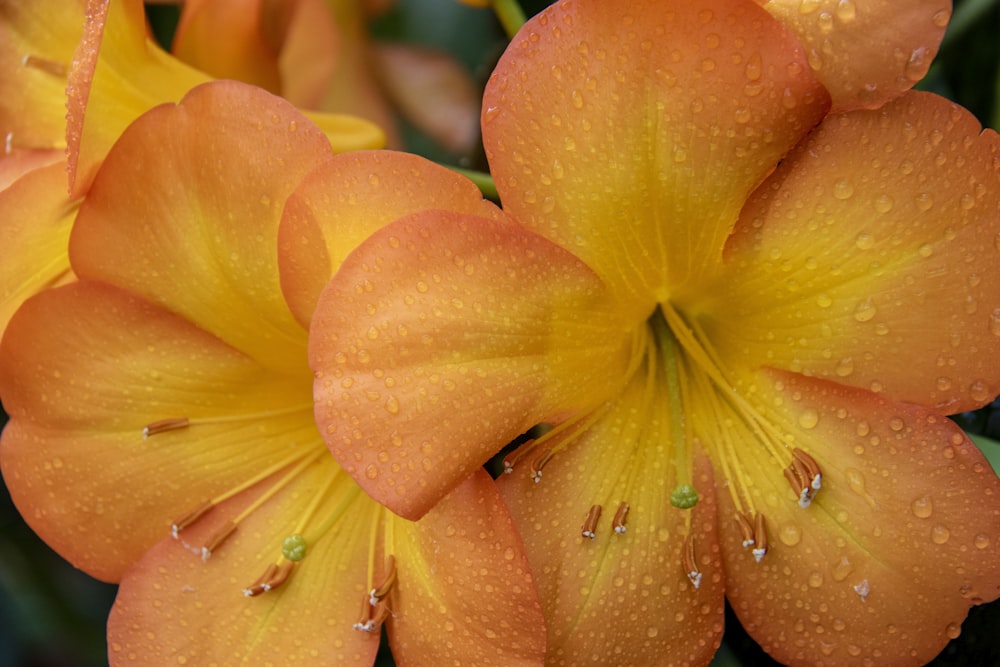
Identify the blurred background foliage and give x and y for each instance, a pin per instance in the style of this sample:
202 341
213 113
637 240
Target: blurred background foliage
52 615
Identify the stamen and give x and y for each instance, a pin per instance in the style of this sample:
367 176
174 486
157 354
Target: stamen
380 591
180 524
44 64
539 462
511 459
372 616
220 536
760 536
746 529
590 524
164 425
814 475
690 563
804 479
618 523
274 576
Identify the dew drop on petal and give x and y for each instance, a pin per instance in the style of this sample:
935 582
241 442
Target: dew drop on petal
953 631
808 419
995 322
790 534
841 569
845 367
940 534
980 391
864 241
815 579
864 311
371 472
883 203
981 541
922 507
843 189
941 18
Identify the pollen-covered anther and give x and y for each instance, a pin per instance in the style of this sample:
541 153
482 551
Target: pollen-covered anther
804 476
274 576
372 617
44 64
164 425
511 459
589 528
220 536
376 594
180 524
746 529
618 522
759 536
690 563
538 463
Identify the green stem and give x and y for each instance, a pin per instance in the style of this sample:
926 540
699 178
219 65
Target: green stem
510 14
483 181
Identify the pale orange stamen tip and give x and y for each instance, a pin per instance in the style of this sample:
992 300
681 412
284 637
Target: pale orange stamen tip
746 529
590 524
44 64
220 536
164 425
511 459
690 563
380 591
538 463
618 523
274 576
760 537
804 476
180 524
372 616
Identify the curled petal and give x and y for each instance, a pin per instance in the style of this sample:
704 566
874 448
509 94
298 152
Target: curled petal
175 607
442 338
899 542
343 201
35 221
83 370
622 596
463 575
191 223
611 128
865 53
871 258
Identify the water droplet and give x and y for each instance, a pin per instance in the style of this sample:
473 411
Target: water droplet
846 11
864 241
422 286
490 114
577 99
652 632
953 631
808 419
753 68
924 201
883 203
916 65
980 391
922 507
371 472
845 367
863 428
392 405
995 322
843 189
941 18
926 250
943 383
841 569
824 301
815 579
809 6
981 541
790 534
940 534
896 424
864 311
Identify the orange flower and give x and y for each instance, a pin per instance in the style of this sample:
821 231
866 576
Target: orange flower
742 320
167 391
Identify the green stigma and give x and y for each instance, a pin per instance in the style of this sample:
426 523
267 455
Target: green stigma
684 497
293 547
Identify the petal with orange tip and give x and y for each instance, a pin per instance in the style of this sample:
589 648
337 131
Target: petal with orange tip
35 220
865 53
174 607
465 591
633 134
900 541
340 203
442 338
624 577
185 212
84 369
36 48
871 258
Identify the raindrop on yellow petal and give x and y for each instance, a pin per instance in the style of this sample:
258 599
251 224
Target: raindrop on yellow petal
864 311
922 507
809 419
843 189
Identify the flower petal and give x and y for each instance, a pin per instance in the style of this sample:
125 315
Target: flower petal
83 369
191 223
375 187
35 221
465 593
871 258
900 541
612 128
866 53
621 598
173 607
36 48
442 338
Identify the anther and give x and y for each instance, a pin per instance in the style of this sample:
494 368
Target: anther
379 592
618 523
44 64
511 459
539 462
220 536
746 529
274 576
813 474
372 616
690 563
803 480
590 523
760 536
164 425
180 524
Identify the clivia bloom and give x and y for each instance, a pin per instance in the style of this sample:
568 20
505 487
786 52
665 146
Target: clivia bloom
162 405
742 320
